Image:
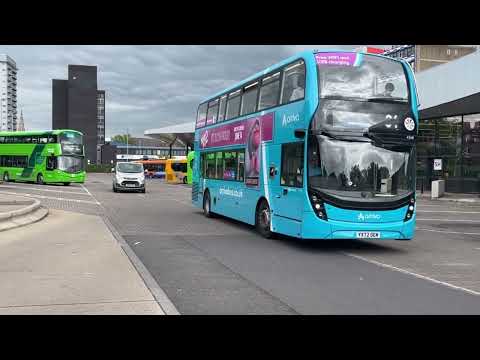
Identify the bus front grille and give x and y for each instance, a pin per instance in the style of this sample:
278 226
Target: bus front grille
195 191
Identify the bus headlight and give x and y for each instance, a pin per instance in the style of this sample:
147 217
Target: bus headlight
318 206
410 210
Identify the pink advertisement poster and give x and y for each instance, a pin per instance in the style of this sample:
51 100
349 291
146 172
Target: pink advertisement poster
249 132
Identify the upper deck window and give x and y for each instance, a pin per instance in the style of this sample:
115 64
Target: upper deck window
249 99
223 105
269 92
293 82
202 115
354 76
233 104
212 112
71 138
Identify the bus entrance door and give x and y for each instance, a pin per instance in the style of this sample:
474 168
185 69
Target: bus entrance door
289 196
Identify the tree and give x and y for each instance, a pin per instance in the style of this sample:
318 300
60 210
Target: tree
123 139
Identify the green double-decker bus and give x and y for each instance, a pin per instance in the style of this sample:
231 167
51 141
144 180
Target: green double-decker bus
55 156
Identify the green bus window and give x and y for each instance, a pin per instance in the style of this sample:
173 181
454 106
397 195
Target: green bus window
34 139
230 165
51 163
293 87
219 165
270 91
2 139
210 166
249 99
43 140
241 166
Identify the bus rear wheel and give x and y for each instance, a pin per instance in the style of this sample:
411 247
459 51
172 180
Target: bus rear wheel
263 220
40 179
207 205
66 183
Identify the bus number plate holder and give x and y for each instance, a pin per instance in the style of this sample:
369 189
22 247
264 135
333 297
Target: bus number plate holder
368 235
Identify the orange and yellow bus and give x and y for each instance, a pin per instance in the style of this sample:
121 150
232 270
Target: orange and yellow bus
176 170
154 168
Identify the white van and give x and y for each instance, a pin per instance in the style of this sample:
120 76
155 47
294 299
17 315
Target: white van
128 176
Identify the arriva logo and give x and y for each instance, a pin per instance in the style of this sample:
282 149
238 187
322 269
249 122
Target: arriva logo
290 119
204 139
362 217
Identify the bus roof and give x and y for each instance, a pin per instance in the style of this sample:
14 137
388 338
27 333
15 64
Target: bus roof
279 65
38 132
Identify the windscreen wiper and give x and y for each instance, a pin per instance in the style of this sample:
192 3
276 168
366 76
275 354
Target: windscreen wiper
394 100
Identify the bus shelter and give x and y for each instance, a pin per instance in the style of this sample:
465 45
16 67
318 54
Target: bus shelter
182 134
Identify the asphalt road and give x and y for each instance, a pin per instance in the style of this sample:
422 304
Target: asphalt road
219 266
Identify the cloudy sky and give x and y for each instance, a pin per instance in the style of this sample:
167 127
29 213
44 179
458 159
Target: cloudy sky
146 86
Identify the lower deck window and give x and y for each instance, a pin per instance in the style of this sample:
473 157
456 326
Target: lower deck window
223 165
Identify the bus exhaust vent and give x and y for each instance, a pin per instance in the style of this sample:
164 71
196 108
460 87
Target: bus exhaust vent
195 187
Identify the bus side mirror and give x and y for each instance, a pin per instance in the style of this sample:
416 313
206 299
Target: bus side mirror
300 133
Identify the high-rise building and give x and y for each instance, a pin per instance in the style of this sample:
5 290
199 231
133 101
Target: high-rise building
21 123
78 104
423 57
8 94
100 123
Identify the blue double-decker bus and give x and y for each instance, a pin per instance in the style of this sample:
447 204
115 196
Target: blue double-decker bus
319 146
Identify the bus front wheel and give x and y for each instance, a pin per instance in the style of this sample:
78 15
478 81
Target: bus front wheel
40 179
207 205
263 219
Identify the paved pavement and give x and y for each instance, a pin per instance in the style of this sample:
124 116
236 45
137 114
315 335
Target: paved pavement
219 266
69 263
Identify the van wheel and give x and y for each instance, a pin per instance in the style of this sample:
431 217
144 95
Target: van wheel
207 205
40 180
263 219
6 178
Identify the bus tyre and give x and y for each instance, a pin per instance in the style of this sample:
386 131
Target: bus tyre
207 210
66 183
184 179
40 179
263 219
6 178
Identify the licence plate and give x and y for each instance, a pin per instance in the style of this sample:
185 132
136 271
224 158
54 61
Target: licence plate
368 235
129 185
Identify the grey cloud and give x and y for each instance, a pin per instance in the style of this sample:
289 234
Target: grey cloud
146 86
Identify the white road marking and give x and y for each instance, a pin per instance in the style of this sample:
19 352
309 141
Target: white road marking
89 193
472 292
448 232
39 189
451 220
48 197
448 211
